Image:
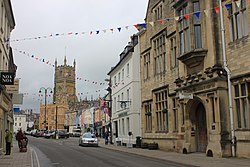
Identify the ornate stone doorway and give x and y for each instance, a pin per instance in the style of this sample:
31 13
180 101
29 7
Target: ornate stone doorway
199 126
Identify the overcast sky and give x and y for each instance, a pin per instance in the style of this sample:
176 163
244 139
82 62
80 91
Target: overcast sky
94 53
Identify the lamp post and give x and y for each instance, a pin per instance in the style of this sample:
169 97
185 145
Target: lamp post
56 121
45 104
110 109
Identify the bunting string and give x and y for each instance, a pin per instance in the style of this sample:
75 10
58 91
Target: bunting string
137 26
60 95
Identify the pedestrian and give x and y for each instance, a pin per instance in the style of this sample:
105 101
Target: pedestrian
8 140
106 137
19 137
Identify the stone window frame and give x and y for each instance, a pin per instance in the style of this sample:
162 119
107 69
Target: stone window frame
148 117
238 21
242 105
197 24
173 49
175 114
161 111
160 55
146 64
158 11
184 29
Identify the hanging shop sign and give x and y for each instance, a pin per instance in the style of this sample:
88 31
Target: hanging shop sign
7 78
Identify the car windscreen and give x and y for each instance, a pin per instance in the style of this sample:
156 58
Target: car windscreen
88 135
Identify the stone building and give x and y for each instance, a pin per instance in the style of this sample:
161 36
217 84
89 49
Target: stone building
65 84
63 98
185 95
55 116
7 24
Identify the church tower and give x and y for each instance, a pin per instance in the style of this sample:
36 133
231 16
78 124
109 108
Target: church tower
65 83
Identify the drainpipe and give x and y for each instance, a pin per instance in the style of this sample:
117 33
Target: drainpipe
229 85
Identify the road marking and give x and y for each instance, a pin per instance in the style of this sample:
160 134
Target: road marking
31 149
55 163
37 160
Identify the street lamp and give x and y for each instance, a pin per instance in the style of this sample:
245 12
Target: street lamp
110 108
56 121
45 98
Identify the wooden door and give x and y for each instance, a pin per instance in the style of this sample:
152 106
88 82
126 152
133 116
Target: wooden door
201 129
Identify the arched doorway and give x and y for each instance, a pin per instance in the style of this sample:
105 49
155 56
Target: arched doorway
201 128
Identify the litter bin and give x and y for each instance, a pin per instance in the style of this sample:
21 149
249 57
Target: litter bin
138 142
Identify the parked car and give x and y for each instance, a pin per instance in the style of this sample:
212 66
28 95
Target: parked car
39 133
88 139
49 134
27 132
62 134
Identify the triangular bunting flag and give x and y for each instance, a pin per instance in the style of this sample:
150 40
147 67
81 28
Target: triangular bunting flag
152 24
228 6
144 25
127 27
104 31
112 30
161 21
119 29
186 16
238 3
90 32
136 26
197 14
177 18
206 12
97 32
217 9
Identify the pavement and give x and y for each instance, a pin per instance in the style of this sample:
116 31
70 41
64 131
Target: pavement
193 159
16 158
25 159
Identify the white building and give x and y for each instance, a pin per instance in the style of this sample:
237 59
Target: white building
20 122
126 95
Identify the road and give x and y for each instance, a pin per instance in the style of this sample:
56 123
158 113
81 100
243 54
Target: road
67 153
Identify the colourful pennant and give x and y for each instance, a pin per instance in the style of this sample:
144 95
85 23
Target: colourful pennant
217 9
197 14
228 6
186 16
